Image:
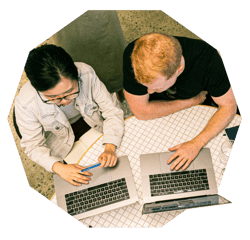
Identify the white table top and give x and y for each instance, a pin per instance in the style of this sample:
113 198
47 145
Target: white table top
153 136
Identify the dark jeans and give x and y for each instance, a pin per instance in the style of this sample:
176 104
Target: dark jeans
79 128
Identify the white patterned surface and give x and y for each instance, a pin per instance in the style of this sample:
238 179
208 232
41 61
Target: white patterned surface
149 137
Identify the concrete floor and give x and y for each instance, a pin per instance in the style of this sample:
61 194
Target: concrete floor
134 24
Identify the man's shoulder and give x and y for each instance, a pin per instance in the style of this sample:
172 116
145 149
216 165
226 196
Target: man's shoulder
193 44
129 49
188 39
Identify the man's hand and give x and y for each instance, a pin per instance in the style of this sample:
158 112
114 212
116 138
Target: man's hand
184 155
72 173
200 98
108 157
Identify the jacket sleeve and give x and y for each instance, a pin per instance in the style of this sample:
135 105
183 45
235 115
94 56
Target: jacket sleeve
33 139
113 125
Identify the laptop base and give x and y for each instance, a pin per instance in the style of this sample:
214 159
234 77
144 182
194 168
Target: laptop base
185 203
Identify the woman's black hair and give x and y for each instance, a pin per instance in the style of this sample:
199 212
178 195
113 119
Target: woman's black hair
46 64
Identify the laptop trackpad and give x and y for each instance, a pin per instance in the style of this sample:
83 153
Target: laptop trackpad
121 169
165 168
107 174
100 176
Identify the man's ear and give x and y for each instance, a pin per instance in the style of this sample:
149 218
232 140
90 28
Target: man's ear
181 68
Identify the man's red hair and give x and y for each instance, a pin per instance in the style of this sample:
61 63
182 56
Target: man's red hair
155 54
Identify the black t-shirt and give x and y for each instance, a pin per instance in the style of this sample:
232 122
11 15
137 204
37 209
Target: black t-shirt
204 70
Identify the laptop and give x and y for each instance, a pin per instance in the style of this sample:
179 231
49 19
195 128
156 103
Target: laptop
166 190
109 188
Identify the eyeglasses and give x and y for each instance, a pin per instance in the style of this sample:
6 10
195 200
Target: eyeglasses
67 97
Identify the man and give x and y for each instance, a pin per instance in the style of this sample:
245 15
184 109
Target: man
165 74
61 102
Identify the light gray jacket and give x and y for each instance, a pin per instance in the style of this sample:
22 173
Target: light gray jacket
47 136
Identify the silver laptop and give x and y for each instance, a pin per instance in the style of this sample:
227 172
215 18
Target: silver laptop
109 188
166 190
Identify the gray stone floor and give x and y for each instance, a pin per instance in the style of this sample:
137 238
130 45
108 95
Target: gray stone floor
134 24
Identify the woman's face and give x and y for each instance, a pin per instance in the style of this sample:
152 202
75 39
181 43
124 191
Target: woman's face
63 88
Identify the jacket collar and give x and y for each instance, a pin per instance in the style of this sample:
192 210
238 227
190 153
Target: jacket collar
51 110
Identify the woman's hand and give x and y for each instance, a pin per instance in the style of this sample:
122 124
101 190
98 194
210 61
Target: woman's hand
108 157
72 173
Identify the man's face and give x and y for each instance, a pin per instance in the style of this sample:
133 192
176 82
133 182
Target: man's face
161 83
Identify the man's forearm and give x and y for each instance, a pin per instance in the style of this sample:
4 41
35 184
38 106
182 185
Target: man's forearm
216 124
160 108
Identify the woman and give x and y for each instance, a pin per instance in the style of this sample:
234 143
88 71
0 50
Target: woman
61 102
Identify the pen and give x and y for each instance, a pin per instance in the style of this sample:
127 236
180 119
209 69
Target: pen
86 169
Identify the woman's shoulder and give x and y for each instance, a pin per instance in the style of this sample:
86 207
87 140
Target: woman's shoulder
83 68
27 94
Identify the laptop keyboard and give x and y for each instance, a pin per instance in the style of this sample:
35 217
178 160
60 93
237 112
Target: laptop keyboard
178 182
97 196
